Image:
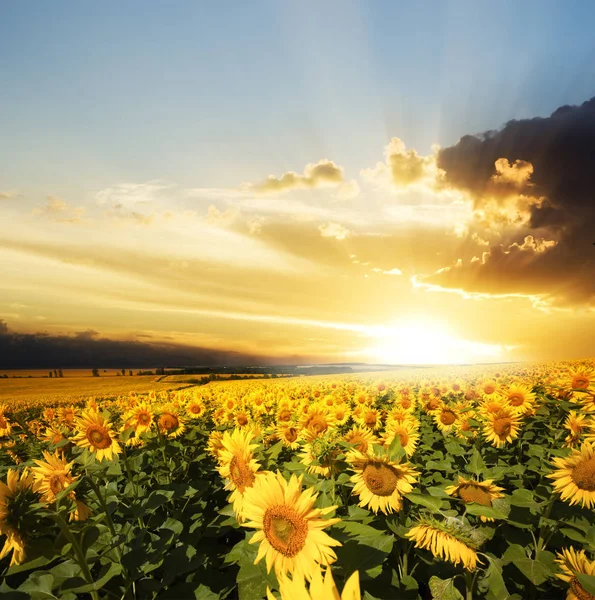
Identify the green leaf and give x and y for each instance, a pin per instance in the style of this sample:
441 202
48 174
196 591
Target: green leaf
500 509
426 500
444 589
39 586
476 464
587 582
514 552
524 498
494 581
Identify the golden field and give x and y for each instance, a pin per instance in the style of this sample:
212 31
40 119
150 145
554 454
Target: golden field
70 389
442 484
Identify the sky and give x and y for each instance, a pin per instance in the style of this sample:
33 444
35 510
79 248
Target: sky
291 182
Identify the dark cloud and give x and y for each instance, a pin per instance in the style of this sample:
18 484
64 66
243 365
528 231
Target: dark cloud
88 334
552 162
43 351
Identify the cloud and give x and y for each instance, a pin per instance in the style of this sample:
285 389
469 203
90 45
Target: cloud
88 334
43 351
8 194
348 190
323 173
531 182
402 167
57 209
221 218
394 271
517 173
334 230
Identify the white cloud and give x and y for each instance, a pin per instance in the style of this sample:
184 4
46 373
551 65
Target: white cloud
334 230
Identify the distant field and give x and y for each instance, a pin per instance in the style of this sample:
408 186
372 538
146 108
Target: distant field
183 378
66 372
79 388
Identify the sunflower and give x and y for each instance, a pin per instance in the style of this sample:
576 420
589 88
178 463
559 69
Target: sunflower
319 456
574 477
96 434
242 418
576 423
488 387
67 416
407 433
572 562
341 413
480 492
52 476
520 397
5 426
317 420
289 528
140 417
368 417
380 482
446 540
502 427
446 418
463 426
214 444
170 423
195 408
284 413
237 465
295 589
580 380
16 496
288 435
361 437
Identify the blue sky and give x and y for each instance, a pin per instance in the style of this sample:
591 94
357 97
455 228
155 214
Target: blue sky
215 94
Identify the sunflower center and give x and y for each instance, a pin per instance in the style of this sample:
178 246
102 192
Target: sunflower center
370 419
516 399
503 427
473 493
291 434
584 475
241 474
317 424
98 436
57 483
489 389
242 419
579 591
143 419
405 402
357 439
381 479
195 409
284 415
168 422
447 417
580 382
433 403
404 438
285 530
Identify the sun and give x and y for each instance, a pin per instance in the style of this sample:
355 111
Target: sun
425 340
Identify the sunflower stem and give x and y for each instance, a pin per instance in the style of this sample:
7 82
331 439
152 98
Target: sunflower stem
78 551
469 580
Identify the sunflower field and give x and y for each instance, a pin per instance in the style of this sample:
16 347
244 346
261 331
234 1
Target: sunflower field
445 484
